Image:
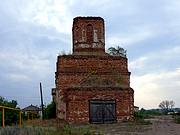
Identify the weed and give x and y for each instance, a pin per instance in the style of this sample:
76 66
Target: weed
177 119
37 130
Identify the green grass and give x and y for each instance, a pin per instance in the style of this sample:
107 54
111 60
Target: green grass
139 118
142 122
36 130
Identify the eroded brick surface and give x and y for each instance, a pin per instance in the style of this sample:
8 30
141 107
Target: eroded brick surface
90 73
88 35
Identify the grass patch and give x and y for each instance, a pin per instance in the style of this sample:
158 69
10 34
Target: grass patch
176 119
139 118
37 130
142 122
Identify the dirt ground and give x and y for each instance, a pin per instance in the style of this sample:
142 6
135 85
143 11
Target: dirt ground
161 125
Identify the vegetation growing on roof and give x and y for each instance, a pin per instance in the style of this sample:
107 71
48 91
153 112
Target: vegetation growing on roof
117 51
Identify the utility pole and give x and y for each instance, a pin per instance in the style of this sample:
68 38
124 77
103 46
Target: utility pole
42 105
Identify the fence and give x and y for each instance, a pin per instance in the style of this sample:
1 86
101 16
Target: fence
15 109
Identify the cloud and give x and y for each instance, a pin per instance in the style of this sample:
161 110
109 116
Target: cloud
156 61
21 74
155 77
28 55
133 37
138 63
49 14
34 32
17 77
151 89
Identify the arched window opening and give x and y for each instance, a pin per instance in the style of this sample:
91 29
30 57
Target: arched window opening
89 33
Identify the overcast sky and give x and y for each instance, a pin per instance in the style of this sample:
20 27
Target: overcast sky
34 32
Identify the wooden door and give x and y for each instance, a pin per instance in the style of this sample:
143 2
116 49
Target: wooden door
102 111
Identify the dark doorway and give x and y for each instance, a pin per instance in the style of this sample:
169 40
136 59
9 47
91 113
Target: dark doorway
102 111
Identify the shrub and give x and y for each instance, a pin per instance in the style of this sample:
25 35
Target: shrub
50 111
177 119
141 115
144 114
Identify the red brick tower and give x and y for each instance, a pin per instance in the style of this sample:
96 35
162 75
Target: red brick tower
88 35
91 85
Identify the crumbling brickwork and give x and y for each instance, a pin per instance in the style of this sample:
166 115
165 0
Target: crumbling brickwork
90 74
88 35
78 105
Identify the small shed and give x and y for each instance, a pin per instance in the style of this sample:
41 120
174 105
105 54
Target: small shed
34 109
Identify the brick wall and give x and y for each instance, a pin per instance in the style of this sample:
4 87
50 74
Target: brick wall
73 71
90 73
88 35
78 102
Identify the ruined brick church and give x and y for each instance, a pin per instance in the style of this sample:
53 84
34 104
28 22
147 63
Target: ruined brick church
91 85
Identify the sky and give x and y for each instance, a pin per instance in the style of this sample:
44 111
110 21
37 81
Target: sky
34 32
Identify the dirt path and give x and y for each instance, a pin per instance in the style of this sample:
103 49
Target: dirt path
162 125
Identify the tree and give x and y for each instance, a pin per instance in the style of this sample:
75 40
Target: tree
119 51
11 116
4 102
50 110
166 105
